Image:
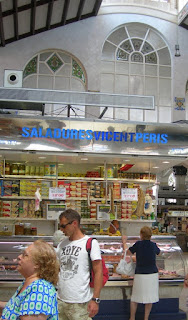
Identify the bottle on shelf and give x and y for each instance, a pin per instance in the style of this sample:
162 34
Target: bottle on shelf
14 169
7 168
21 169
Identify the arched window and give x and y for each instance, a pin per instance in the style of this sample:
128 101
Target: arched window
136 61
56 70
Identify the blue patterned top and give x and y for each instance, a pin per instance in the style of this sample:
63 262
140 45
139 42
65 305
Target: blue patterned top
39 297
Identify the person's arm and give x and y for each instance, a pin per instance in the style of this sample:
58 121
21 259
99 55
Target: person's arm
2 304
93 307
125 247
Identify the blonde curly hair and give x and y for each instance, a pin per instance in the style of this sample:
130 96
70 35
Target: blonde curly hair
44 256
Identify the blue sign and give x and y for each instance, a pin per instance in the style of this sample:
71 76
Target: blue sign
56 133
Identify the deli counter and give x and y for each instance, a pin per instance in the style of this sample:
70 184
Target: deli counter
171 265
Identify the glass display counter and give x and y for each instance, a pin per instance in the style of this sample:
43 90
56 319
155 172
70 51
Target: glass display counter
171 265
10 248
170 262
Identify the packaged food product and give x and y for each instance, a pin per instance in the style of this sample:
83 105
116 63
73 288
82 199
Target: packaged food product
52 169
21 169
32 170
27 170
47 170
34 231
19 229
37 170
14 169
7 168
27 228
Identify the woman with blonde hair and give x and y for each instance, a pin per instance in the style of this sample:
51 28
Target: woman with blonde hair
146 284
35 298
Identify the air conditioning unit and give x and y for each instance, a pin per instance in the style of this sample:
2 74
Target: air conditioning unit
13 79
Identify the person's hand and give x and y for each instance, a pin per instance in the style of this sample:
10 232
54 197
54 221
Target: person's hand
93 308
124 239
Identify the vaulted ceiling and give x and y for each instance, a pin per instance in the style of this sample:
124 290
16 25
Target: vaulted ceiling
24 18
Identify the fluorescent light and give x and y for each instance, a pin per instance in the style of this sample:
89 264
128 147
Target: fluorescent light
155 167
84 159
166 162
42 157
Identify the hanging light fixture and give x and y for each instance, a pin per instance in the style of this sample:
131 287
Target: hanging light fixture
177 50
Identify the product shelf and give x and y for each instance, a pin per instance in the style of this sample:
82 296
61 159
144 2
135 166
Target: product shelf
20 177
47 199
25 219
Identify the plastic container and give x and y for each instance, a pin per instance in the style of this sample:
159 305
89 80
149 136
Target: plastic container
34 231
27 229
19 229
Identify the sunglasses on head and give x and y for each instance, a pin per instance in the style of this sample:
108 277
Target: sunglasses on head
63 226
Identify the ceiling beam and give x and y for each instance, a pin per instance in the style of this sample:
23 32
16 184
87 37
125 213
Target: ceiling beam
97 7
184 25
80 9
65 11
15 8
2 36
49 14
25 7
33 16
103 112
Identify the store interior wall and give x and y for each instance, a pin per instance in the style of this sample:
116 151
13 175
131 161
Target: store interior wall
80 40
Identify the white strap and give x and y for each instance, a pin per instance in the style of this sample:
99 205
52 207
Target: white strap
125 254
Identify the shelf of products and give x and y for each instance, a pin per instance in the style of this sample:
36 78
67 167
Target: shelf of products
85 191
51 170
174 217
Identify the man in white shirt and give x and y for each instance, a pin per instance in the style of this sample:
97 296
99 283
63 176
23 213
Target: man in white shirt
76 301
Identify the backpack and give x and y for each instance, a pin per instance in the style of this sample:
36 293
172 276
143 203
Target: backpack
104 268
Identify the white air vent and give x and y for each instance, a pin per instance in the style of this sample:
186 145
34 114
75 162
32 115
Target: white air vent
13 79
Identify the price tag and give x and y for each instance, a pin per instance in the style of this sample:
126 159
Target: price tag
54 210
57 193
129 194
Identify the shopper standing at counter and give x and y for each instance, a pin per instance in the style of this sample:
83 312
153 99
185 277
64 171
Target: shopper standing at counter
35 298
146 284
75 299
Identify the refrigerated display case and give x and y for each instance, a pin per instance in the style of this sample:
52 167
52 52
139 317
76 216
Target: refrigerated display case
171 264
10 248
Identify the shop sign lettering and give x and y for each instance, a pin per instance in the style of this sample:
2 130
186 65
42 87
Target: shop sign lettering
56 133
